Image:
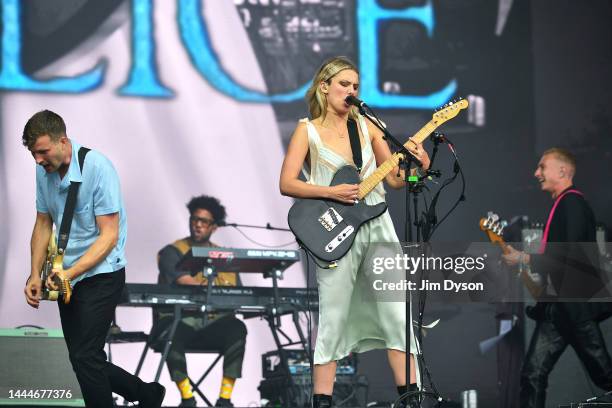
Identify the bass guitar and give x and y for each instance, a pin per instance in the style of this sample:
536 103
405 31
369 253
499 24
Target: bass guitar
494 229
327 228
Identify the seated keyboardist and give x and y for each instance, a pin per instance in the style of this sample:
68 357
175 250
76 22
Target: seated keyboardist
224 333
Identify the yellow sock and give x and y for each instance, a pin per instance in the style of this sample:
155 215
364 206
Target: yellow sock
184 387
227 386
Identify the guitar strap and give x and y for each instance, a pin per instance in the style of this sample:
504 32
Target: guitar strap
551 215
355 144
73 190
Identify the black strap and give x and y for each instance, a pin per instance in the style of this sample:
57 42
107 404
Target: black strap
355 143
73 190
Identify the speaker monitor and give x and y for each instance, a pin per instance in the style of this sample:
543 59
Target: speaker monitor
35 369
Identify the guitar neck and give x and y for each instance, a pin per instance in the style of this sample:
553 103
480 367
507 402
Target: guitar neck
504 247
388 165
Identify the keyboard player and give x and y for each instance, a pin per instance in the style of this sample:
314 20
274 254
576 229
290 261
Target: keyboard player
223 333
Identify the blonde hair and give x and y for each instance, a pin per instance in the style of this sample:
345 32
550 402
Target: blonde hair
564 156
316 99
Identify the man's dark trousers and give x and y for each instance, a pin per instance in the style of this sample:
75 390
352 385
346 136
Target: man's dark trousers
85 322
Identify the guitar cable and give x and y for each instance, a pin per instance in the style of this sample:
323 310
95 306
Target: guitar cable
309 328
458 171
314 258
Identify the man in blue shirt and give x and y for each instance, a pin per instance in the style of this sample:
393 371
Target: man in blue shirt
94 260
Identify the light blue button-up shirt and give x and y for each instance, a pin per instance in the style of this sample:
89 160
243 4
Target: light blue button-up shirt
99 194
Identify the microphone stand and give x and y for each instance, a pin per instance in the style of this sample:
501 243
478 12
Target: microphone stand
266 227
415 187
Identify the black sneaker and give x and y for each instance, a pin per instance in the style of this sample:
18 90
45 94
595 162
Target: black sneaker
322 401
223 402
189 402
152 395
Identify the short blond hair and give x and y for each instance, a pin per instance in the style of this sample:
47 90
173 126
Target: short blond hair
564 156
317 102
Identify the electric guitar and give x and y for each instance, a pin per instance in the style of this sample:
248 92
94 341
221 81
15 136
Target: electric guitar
54 259
494 228
327 228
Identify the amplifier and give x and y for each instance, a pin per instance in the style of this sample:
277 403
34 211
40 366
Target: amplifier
35 369
297 361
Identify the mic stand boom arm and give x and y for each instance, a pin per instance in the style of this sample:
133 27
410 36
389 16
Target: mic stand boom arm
408 156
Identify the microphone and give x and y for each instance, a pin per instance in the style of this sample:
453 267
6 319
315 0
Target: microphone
351 100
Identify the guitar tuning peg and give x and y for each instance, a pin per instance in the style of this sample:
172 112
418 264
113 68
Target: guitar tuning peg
488 220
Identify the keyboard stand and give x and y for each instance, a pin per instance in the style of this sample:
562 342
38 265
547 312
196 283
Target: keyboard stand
275 311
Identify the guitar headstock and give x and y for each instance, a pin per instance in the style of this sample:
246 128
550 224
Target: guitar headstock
449 110
493 227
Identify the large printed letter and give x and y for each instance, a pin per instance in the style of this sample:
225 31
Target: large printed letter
195 37
12 76
143 79
369 14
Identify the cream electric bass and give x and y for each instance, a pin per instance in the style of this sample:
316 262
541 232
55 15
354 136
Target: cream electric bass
54 259
328 228
494 228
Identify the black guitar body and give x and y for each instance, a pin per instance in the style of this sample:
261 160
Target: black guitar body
328 228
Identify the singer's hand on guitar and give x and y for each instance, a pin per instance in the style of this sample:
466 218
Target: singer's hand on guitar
345 193
420 153
33 290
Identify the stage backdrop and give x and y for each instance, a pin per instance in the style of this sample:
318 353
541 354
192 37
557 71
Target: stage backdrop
195 97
